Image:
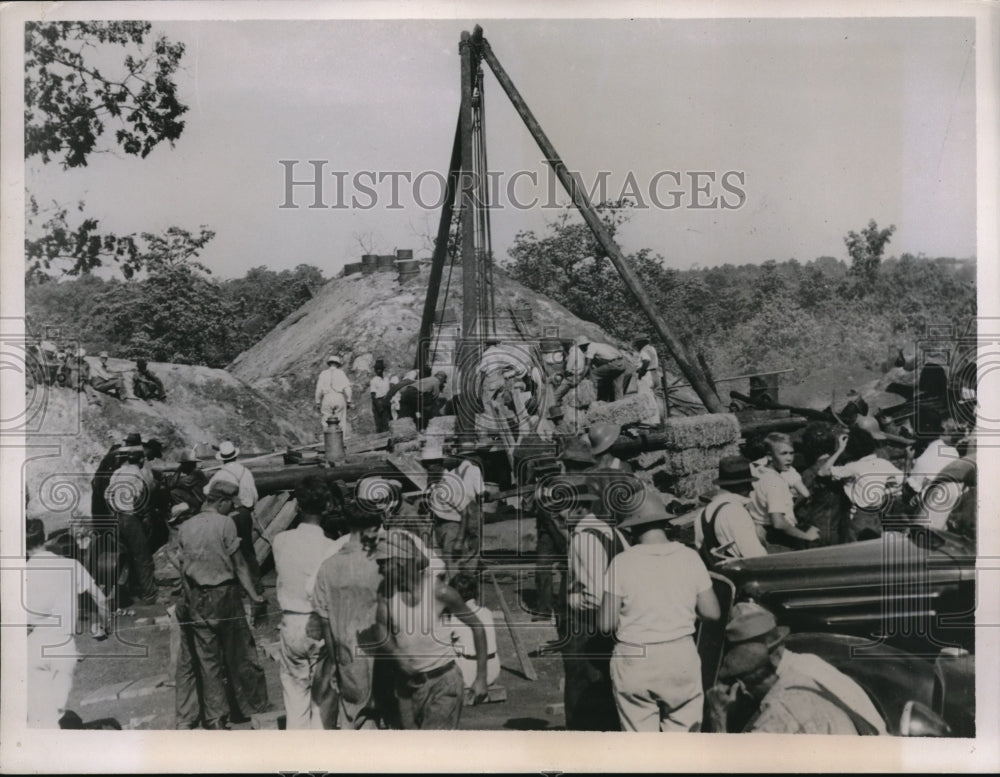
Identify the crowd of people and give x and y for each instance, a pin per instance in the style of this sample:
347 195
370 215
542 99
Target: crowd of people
378 582
64 367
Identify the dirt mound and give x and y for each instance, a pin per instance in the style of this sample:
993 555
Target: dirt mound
364 317
70 435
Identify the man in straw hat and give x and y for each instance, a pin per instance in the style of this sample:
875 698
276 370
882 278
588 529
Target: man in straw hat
724 529
653 593
602 436
766 688
333 394
217 646
242 513
430 689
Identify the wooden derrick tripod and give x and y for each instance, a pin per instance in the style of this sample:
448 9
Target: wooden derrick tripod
474 49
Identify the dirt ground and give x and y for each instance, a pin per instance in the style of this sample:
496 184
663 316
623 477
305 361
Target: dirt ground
126 677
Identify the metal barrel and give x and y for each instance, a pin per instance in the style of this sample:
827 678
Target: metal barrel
352 268
386 263
333 443
369 263
408 269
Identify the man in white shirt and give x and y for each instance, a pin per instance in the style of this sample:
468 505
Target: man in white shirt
298 555
379 390
333 394
648 374
51 587
588 698
242 513
870 482
936 505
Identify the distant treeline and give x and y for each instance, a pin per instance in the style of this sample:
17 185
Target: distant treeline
177 313
755 316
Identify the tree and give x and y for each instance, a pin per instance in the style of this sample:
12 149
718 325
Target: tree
865 251
70 105
68 101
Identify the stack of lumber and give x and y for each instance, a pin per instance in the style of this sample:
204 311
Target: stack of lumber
690 448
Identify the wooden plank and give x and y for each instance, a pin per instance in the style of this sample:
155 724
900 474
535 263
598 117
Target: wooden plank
367 442
410 466
265 514
280 522
527 668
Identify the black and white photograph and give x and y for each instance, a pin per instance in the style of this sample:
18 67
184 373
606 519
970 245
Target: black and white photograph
533 376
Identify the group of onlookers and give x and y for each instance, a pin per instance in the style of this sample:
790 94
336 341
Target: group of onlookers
49 365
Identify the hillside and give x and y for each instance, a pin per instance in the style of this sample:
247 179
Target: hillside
364 317
203 405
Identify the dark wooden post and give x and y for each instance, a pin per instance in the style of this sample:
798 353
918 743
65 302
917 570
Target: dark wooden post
440 253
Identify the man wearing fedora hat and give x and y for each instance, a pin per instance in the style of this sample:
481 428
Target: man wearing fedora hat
724 528
764 687
242 514
653 593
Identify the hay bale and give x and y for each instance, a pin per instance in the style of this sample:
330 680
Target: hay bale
681 463
631 409
441 426
694 485
648 460
701 431
402 429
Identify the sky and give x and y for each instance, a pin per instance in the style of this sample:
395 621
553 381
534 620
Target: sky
794 130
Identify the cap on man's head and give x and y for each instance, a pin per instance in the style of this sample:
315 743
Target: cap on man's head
441 376
334 359
134 438
102 355
223 489
749 621
397 545
581 340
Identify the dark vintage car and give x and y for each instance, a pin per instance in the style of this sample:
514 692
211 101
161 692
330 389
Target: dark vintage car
912 591
895 613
